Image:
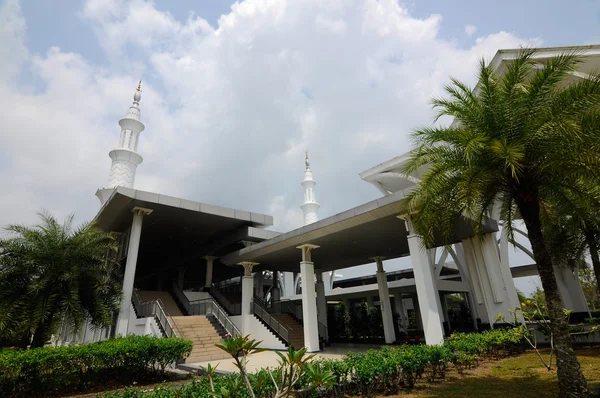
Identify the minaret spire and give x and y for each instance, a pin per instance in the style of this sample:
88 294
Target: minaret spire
125 159
310 205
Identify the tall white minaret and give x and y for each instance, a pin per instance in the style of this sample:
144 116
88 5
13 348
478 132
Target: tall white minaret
310 205
125 159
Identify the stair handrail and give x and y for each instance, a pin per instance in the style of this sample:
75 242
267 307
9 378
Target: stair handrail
233 309
207 306
260 310
290 307
228 282
156 309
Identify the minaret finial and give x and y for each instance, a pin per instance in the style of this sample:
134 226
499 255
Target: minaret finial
138 94
306 162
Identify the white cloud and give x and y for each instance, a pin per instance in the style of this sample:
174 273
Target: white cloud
470 30
285 218
12 36
229 111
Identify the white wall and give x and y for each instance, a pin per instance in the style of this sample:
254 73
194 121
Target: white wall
142 326
259 332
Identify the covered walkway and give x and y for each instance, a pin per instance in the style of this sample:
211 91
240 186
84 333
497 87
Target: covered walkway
371 233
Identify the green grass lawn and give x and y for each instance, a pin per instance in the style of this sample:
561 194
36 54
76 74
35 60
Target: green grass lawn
521 376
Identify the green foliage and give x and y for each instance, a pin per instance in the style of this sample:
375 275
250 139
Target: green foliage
384 371
51 370
488 343
523 145
55 273
589 284
340 327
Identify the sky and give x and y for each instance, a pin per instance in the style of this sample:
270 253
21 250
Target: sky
233 93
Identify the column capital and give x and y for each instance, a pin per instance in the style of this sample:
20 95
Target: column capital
409 224
142 211
379 261
210 259
306 249
248 265
319 276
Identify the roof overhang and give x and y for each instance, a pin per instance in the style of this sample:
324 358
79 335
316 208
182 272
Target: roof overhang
180 232
115 214
347 239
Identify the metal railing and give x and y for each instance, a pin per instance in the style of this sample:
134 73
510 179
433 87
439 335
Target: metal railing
235 281
156 309
232 308
207 306
262 313
287 306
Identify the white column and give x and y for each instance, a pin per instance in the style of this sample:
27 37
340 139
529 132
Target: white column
494 291
309 300
209 272
322 303
570 289
427 293
472 309
130 265
247 294
384 300
288 284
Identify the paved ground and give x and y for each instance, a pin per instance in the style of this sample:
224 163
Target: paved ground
269 358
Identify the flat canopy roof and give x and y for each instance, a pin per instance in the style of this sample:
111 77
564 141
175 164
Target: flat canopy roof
180 232
347 239
115 214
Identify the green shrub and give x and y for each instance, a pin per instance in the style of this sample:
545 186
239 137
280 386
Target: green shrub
51 370
384 371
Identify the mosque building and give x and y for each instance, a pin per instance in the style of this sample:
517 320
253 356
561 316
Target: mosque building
193 268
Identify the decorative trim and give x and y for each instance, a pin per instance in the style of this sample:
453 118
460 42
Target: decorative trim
248 265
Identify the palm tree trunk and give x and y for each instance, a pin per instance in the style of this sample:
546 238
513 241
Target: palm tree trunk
42 333
590 236
571 381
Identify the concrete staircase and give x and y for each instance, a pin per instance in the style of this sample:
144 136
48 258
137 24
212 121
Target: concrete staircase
168 302
204 333
296 333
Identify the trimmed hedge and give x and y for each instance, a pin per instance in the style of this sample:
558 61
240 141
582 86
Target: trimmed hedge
50 371
385 371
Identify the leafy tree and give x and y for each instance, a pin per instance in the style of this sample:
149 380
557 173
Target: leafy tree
52 273
525 143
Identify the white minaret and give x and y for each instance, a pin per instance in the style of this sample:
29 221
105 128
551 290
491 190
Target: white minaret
125 159
310 205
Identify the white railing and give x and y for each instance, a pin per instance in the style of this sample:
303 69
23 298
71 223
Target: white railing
207 307
156 309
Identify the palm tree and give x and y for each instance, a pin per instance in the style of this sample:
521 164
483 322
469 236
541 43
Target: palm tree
53 273
526 142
